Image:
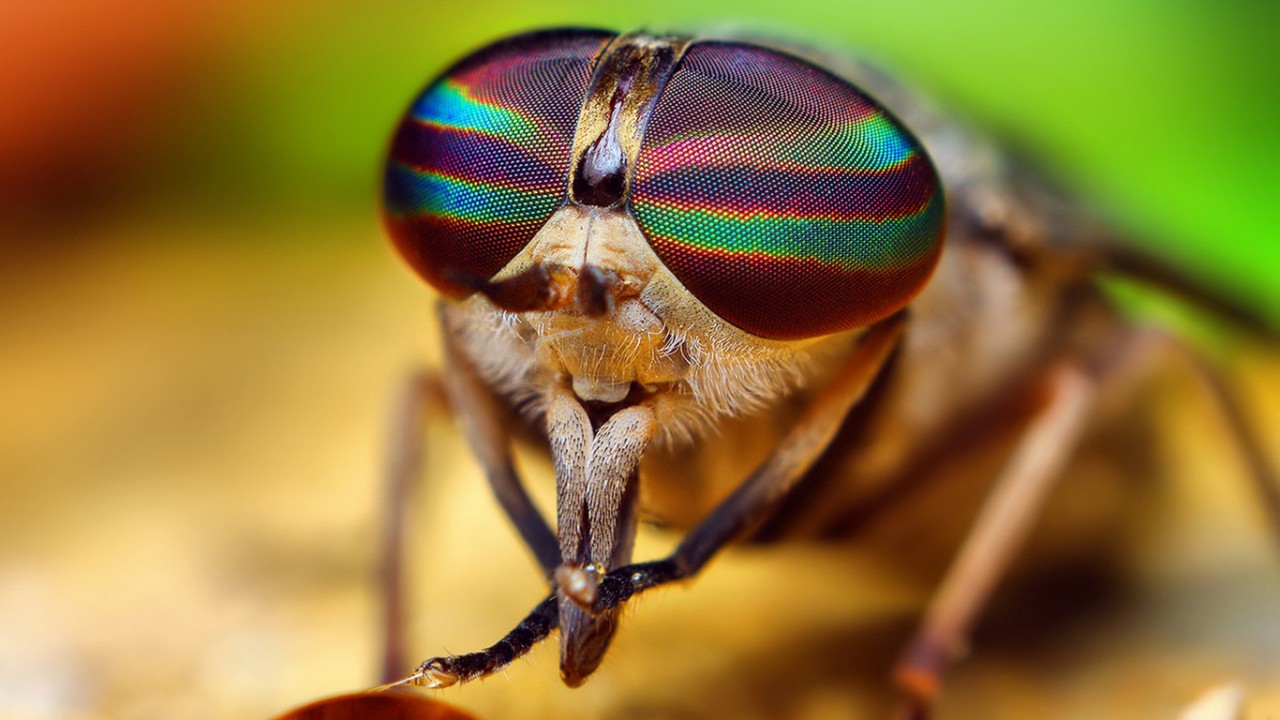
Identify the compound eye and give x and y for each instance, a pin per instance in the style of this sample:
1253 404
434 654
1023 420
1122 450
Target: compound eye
478 163
783 198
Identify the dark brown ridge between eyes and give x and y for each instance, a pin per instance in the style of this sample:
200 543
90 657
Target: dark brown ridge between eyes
625 87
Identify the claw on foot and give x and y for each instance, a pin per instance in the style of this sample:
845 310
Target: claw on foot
434 674
579 583
919 672
918 677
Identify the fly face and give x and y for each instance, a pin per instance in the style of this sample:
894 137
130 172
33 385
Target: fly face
697 220
684 228
620 329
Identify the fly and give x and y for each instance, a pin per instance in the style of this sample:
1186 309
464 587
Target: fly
640 237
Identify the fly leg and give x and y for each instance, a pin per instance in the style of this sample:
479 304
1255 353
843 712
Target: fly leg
438 672
761 493
595 473
1015 501
1265 478
480 415
1154 348
1125 259
421 394
1129 261
477 411
1019 493
595 477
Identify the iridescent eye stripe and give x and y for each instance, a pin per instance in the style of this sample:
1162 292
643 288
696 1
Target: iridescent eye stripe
852 197
450 105
781 151
783 198
464 200
821 239
480 160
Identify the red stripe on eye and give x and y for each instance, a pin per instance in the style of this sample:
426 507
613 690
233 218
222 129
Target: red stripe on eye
800 192
788 299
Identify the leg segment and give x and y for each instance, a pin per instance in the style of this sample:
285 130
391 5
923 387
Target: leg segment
441 672
1265 478
479 415
1020 491
1128 260
1150 349
420 391
1015 501
482 422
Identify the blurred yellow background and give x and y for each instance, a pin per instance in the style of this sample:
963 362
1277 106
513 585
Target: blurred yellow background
202 329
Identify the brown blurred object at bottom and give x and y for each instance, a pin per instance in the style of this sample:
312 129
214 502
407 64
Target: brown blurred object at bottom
390 705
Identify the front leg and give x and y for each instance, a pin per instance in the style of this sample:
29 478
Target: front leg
582 595
596 494
760 494
458 389
482 422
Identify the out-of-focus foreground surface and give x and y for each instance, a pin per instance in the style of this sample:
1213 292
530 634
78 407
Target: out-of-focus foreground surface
202 328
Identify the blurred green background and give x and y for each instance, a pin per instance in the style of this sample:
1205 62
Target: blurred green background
202 324
1161 112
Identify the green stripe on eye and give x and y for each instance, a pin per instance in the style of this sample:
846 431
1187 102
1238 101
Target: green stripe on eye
450 105
461 199
848 243
886 144
870 144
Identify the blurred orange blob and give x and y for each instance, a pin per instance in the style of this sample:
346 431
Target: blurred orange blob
85 82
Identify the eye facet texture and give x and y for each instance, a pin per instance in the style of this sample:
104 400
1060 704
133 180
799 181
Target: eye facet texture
479 161
784 199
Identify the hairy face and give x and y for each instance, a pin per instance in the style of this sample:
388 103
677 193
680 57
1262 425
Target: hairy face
653 338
